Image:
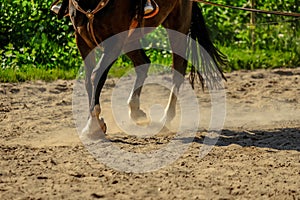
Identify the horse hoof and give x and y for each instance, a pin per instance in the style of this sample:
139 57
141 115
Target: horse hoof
102 125
138 115
93 130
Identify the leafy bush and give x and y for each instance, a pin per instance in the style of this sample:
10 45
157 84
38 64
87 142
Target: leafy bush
31 36
32 40
277 38
230 25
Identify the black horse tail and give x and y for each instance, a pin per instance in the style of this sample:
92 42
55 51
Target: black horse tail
206 70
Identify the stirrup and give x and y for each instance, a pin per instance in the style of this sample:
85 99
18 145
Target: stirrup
55 8
151 9
148 9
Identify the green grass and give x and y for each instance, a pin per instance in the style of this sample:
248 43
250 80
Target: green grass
247 59
32 73
238 59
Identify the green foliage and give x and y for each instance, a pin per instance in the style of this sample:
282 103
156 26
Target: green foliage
32 39
276 38
233 26
35 45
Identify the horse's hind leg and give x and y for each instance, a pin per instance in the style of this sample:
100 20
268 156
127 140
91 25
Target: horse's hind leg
178 44
141 63
179 68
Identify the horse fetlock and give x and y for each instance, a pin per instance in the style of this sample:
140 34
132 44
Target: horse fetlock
96 111
170 114
95 115
134 103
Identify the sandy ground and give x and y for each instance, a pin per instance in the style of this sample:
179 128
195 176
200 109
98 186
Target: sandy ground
256 157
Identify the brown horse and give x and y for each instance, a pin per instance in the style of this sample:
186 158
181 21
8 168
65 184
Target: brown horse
97 20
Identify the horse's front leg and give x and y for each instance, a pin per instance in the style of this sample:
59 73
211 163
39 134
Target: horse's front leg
141 63
96 127
88 56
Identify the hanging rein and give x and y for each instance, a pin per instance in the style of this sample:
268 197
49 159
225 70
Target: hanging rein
250 9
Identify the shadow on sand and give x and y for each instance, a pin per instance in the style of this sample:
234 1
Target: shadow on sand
277 139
